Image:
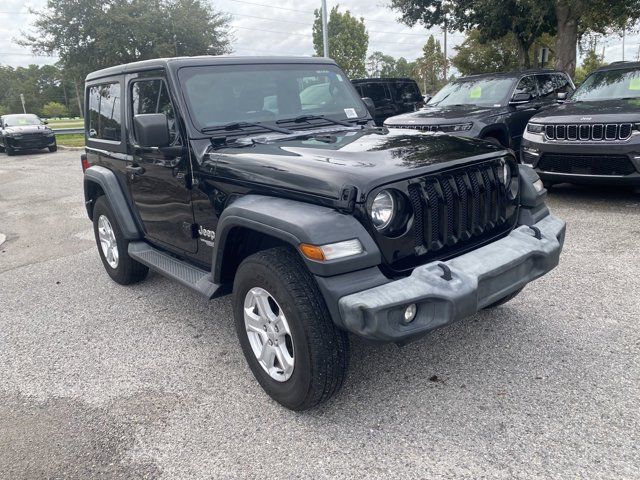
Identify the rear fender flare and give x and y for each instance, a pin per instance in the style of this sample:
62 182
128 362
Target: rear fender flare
108 182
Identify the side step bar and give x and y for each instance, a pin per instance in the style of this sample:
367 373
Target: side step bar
163 263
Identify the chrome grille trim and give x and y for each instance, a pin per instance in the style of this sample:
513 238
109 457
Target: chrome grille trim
589 131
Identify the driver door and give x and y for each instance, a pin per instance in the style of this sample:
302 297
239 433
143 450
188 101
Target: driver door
158 179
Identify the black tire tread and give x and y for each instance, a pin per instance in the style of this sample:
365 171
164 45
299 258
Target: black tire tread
327 343
129 270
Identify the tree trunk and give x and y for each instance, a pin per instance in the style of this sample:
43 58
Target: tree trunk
567 36
523 53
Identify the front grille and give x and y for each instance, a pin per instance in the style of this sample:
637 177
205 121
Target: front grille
459 207
589 131
422 128
586 164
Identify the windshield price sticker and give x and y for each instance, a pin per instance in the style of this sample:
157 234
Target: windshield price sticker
350 113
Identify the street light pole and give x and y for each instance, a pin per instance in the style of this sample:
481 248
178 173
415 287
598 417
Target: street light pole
325 33
22 100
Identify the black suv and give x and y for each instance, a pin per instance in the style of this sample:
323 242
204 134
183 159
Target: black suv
20 132
594 137
390 96
495 107
266 177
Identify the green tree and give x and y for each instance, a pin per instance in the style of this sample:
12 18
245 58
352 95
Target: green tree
54 109
429 68
526 20
380 65
348 41
574 18
476 56
89 35
404 68
590 62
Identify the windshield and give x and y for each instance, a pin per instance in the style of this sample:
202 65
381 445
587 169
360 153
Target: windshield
609 85
219 95
20 120
486 91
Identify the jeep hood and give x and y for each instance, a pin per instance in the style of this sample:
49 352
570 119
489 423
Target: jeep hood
618 111
435 115
364 159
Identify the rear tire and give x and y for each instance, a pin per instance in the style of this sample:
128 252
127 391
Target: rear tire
10 151
312 362
53 148
112 246
504 300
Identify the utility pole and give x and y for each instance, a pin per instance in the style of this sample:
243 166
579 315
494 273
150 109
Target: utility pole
325 33
623 35
445 49
22 100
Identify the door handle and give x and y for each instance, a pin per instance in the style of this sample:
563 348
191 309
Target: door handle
135 170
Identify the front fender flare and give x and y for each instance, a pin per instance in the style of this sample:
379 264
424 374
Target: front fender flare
296 222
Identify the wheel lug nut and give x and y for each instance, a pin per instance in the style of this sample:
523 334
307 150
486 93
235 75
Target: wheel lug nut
270 343
265 328
276 329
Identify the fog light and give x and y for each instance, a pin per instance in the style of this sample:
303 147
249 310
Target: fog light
538 185
410 313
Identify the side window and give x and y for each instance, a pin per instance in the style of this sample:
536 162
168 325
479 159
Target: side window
152 96
562 84
105 112
546 86
375 91
527 85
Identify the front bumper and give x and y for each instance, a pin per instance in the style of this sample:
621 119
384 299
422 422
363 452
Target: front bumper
478 279
534 147
30 143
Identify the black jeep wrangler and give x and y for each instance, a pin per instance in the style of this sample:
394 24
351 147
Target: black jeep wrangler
494 106
266 177
594 137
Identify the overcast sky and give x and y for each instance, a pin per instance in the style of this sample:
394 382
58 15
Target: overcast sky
264 27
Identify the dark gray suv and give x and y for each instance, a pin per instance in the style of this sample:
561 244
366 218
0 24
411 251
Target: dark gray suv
495 107
595 136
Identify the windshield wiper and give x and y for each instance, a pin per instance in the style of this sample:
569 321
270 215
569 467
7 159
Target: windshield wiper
304 118
240 125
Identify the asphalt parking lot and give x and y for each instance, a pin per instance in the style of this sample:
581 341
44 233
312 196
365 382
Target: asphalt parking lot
100 380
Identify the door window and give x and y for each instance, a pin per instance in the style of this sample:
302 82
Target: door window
104 102
562 84
527 85
152 96
375 91
546 86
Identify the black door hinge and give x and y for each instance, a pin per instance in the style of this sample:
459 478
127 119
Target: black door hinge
348 197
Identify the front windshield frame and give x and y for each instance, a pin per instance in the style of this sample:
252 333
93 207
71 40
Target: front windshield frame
446 92
579 95
29 120
357 109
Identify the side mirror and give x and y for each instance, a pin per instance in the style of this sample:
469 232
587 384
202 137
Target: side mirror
45 122
520 98
562 97
370 106
151 130
427 98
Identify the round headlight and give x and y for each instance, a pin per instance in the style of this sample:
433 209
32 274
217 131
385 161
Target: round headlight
382 210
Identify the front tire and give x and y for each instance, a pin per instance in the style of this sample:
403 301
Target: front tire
112 246
10 151
53 148
295 351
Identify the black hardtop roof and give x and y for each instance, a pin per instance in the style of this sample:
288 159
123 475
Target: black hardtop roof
204 60
619 66
381 79
513 74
